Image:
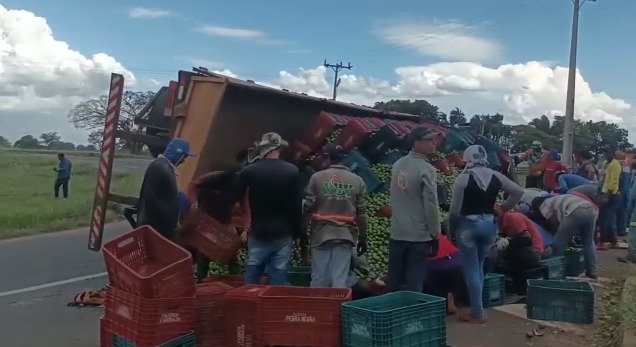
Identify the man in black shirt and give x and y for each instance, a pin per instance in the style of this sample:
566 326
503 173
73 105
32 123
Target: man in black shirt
275 201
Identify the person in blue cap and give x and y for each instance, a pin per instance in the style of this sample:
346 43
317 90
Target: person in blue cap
159 196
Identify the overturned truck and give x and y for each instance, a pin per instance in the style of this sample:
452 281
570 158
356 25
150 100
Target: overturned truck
221 116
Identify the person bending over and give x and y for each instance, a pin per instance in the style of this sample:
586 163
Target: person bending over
472 218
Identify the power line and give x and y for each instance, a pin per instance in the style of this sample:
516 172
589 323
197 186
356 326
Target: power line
336 69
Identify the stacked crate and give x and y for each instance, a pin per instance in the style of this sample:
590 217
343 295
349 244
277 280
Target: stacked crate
150 301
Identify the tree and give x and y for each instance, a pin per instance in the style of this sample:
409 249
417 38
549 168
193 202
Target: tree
421 108
62 146
47 139
456 116
95 139
492 127
542 123
91 115
27 142
4 142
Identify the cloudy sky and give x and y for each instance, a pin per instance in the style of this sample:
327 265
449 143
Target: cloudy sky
485 56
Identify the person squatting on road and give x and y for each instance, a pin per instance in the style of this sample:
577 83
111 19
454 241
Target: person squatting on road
158 204
572 214
275 201
63 170
611 201
472 220
213 193
523 247
415 220
334 207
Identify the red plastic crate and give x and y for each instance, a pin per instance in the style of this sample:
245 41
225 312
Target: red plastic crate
148 322
354 134
377 122
105 335
320 129
209 313
295 152
215 240
143 262
240 307
297 316
234 281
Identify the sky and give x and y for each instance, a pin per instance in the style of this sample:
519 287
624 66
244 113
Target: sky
507 56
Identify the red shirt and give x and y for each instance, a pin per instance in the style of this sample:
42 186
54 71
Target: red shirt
549 174
446 248
513 223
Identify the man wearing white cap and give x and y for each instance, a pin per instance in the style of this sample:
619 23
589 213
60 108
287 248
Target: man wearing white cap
275 200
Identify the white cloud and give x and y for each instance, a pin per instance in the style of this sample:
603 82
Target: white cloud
237 33
449 40
41 77
519 91
143 12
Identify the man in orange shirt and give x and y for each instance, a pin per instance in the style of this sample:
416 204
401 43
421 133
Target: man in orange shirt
535 156
525 248
552 166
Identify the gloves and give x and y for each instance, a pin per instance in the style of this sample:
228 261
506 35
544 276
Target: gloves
501 243
361 248
434 247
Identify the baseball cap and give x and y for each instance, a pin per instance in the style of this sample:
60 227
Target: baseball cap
333 150
421 133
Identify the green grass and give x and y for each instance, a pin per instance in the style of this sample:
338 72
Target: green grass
27 205
73 153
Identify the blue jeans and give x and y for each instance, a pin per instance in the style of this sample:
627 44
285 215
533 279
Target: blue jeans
607 219
475 237
330 265
271 254
569 181
580 222
407 265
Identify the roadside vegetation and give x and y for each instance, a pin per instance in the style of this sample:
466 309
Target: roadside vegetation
27 205
617 315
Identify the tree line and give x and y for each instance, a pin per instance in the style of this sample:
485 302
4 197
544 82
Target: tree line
51 140
590 135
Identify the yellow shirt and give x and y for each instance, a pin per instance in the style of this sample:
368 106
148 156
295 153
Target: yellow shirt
612 176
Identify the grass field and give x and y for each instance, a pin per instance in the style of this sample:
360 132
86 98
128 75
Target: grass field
74 153
27 205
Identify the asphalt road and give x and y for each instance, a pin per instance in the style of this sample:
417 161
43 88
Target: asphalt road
38 277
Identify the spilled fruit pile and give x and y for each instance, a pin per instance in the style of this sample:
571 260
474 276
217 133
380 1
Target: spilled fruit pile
373 159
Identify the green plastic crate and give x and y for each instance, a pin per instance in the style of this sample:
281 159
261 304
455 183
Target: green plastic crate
184 341
562 301
494 290
556 268
574 263
299 276
399 319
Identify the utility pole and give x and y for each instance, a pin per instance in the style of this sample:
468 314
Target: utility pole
336 68
568 130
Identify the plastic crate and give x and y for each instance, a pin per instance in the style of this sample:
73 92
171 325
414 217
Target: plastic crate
391 157
574 263
354 134
562 301
556 268
294 316
386 138
370 179
234 281
240 328
299 276
395 320
355 160
209 313
516 281
184 341
377 122
216 241
145 263
296 152
494 290
324 124
148 322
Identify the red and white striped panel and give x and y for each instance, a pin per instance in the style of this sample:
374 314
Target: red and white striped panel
105 162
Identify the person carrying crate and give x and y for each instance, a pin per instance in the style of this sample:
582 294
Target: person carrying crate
335 204
159 196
